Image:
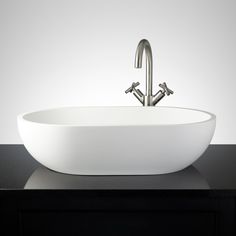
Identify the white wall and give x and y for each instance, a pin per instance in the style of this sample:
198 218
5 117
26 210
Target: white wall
63 52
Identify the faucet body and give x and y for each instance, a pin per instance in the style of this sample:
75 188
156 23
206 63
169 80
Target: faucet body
144 45
147 99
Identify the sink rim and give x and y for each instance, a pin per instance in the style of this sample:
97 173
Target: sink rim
21 117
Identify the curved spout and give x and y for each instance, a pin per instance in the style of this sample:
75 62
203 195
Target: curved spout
145 45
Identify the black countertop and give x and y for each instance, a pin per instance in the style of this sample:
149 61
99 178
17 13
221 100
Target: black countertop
214 170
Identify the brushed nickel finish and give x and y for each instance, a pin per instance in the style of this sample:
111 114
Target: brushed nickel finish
147 99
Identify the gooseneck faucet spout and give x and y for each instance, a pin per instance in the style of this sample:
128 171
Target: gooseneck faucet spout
144 45
147 99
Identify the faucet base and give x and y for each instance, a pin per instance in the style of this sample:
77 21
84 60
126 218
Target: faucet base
148 100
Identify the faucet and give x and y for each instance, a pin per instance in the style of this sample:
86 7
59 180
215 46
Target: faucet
147 99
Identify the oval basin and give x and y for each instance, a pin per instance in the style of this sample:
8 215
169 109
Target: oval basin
116 140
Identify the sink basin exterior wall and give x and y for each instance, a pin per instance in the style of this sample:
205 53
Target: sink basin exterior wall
116 150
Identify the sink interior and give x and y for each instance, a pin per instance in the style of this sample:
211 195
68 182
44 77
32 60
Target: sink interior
117 116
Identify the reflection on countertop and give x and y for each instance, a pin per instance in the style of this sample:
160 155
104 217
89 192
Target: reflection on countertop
189 178
215 168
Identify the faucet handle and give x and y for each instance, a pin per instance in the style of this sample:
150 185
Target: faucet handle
166 89
130 89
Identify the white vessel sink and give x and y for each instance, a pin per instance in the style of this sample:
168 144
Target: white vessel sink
116 140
